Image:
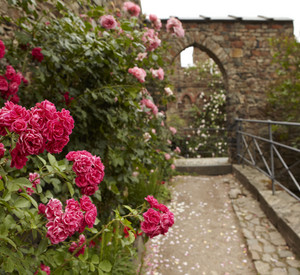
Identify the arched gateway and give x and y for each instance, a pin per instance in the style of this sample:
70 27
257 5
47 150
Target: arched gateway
241 49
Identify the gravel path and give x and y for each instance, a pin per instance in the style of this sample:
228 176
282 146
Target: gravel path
206 237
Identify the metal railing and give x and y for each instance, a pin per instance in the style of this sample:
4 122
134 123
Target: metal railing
280 162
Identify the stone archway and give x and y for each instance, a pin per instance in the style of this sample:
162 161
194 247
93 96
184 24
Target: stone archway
241 49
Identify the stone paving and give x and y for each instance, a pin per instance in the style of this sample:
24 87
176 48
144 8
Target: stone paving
219 229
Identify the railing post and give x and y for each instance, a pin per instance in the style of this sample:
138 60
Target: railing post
272 157
238 140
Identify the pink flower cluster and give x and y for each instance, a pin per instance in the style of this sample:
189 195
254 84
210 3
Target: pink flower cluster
174 26
10 82
158 73
44 268
151 40
132 8
138 73
177 150
167 156
74 246
37 54
155 21
89 171
63 224
108 22
156 221
42 127
150 105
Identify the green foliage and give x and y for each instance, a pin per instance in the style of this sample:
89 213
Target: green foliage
91 64
284 93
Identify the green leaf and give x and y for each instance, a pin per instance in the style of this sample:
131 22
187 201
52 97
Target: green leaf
9 265
95 259
100 272
42 160
92 267
22 203
71 189
26 196
1 185
52 160
105 266
8 240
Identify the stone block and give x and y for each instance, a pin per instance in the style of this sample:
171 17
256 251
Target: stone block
236 52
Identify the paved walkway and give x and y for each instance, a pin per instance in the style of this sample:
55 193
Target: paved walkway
219 229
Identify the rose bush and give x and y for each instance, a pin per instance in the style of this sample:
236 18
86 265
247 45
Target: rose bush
81 63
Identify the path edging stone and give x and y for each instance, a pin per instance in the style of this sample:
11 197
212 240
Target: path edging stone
281 209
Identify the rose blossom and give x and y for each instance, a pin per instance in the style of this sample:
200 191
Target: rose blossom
150 105
57 231
74 246
132 8
157 73
173 130
10 72
167 156
37 54
86 203
174 26
173 167
140 57
53 209
44 268
151 40
108 22
155 21
42 208
168 91
177 150
139 73
2 49
90 217
3 83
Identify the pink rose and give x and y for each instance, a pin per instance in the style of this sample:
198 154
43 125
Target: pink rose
53 209
18 160
13 88
152 201
81 181
177 150
132 8
155 21
15 99
42 209
174 26
31 142
2 148
3 83
85 203
57 231
90 217
72 205
141 56
75 246
72 220
82 164
37 54
157 73
10 72
19 126
17 78
173 130
94 176
108 22
151 40
139 73
44 268
167 156
2 49
56 146
89 190
173 167
34 178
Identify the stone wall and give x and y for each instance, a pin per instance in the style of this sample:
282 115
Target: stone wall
242 51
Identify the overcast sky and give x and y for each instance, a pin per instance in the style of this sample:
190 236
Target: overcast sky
222 8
